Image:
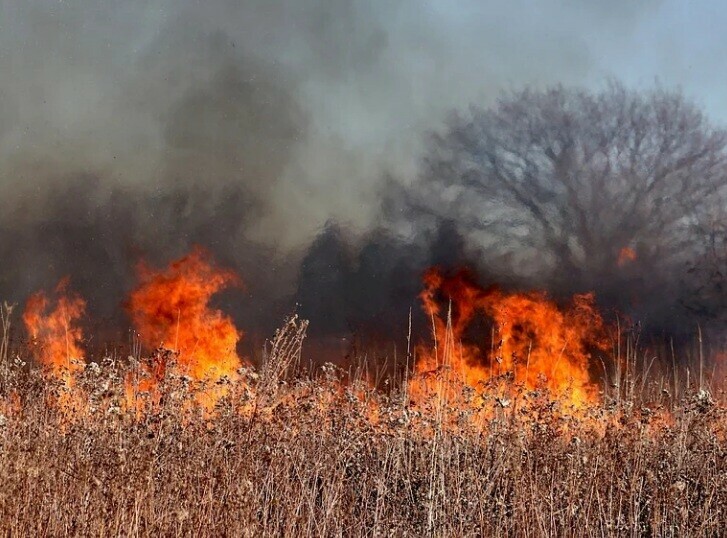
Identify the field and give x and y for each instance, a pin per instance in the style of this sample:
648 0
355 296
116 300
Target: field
298 453
345 268
563 425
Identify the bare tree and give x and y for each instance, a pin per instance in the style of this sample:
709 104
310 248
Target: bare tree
705 282
577 185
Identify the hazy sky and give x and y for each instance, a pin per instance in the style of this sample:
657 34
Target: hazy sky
347 87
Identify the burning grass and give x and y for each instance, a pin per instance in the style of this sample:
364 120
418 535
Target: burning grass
510 438
324 456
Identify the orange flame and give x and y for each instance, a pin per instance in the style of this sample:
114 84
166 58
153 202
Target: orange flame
625 256
533 341
53 326
170 308
11 404
55 331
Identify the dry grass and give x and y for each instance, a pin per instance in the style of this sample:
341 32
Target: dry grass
312 456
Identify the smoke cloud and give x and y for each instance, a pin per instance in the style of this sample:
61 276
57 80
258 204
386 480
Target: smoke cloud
277 134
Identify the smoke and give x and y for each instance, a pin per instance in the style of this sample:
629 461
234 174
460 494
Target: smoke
137 129
369 284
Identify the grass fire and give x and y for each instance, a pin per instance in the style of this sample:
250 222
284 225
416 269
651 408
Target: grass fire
490 422
307 268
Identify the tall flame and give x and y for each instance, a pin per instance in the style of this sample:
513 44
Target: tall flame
53 325
533 340
170 309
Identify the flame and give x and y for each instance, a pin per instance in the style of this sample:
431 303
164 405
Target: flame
533 342
149 380
11 404
521 351
625 256
719 370
170 308
53 325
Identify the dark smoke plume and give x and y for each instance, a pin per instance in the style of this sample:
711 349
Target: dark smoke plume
616 192
267 132
226 125
369 284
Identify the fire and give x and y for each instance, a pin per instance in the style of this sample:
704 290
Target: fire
10 405
170 309
533 343
493 352
625 256
53 325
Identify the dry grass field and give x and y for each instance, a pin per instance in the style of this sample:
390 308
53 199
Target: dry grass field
504 223
520 439
288 453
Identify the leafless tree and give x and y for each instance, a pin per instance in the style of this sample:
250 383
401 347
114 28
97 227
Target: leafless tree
705 283
578 185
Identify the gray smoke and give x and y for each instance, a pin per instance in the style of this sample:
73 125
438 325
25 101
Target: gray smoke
137 129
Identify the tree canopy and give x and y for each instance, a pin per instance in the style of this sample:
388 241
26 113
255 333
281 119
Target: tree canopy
579 189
